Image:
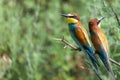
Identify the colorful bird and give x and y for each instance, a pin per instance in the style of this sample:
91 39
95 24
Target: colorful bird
100 43
80 36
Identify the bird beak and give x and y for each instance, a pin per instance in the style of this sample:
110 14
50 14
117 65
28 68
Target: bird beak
64 15
99 20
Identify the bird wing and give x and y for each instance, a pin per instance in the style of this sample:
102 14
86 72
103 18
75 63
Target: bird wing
86 36
104 44
103 40
82 36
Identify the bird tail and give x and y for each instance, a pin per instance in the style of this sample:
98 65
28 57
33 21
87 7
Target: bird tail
108 67
91 55
95 64
95 67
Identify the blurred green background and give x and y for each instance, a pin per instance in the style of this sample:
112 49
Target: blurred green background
28 50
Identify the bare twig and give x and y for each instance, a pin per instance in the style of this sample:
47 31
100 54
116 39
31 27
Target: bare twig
114 62
113 11
75 48
67 43
116 16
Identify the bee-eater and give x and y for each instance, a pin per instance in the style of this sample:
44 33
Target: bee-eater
100 43
80 36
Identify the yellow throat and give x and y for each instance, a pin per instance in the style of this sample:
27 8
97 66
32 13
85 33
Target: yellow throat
71 20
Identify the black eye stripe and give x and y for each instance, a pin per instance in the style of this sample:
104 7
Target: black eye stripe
98 22
73 17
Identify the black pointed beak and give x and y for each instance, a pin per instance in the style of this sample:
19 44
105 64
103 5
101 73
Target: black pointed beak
64 15
99 20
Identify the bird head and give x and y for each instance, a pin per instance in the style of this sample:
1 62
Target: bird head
71 18
95 22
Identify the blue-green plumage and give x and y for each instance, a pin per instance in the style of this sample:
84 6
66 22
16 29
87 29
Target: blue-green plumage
72 28
100 43
87 48
80 36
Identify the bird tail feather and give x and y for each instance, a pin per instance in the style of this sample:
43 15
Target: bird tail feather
92 56
95 64
95 67
107 64
108 67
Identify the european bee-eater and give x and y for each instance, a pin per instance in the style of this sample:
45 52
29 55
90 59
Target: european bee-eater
100 43
80 36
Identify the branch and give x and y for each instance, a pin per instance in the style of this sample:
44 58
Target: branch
114 13
75 48
67 43
116 16
114 62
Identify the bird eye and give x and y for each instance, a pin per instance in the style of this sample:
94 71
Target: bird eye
91 23
75 17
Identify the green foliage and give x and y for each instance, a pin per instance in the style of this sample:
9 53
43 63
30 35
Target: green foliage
28 29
